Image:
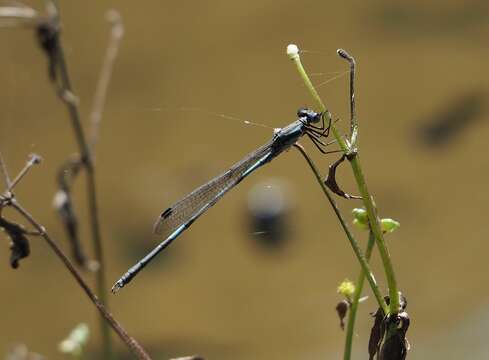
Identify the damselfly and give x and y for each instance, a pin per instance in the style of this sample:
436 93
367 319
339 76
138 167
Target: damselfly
176 219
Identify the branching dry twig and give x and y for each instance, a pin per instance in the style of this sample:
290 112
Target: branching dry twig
65 90
114 324
8 199
33 160
48 34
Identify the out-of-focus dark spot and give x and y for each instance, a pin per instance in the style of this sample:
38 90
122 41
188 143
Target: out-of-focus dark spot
268 209
454 117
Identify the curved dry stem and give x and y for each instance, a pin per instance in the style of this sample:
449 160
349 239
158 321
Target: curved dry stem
86 157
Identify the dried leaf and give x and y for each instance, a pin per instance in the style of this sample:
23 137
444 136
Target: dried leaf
376 334
331 183
388 335
395 346
342 309
19 244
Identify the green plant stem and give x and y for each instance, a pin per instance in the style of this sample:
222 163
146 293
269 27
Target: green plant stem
353 242
91 193
356 299
362 187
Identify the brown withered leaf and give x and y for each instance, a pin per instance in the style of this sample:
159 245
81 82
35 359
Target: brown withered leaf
395 346
331 183
342 309
19 245
376 334
388 334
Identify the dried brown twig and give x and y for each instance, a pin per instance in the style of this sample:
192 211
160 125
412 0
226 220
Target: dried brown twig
8 199
48 35
49 31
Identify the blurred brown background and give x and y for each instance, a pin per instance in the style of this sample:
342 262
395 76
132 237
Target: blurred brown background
422 101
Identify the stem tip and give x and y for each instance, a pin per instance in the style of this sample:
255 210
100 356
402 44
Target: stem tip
35 159
292 51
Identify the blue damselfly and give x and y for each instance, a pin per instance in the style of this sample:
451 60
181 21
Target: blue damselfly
176 219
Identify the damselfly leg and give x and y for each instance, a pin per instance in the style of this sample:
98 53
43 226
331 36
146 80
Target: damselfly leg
321 130
320 144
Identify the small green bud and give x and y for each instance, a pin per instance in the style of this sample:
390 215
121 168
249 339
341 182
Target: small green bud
360 225
389 225
360 215
346 288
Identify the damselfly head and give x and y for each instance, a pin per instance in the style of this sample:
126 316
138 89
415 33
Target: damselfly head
308 115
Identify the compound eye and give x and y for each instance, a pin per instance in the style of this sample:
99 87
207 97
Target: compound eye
303 112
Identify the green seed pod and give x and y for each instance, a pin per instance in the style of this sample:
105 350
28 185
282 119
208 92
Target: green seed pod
389 225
